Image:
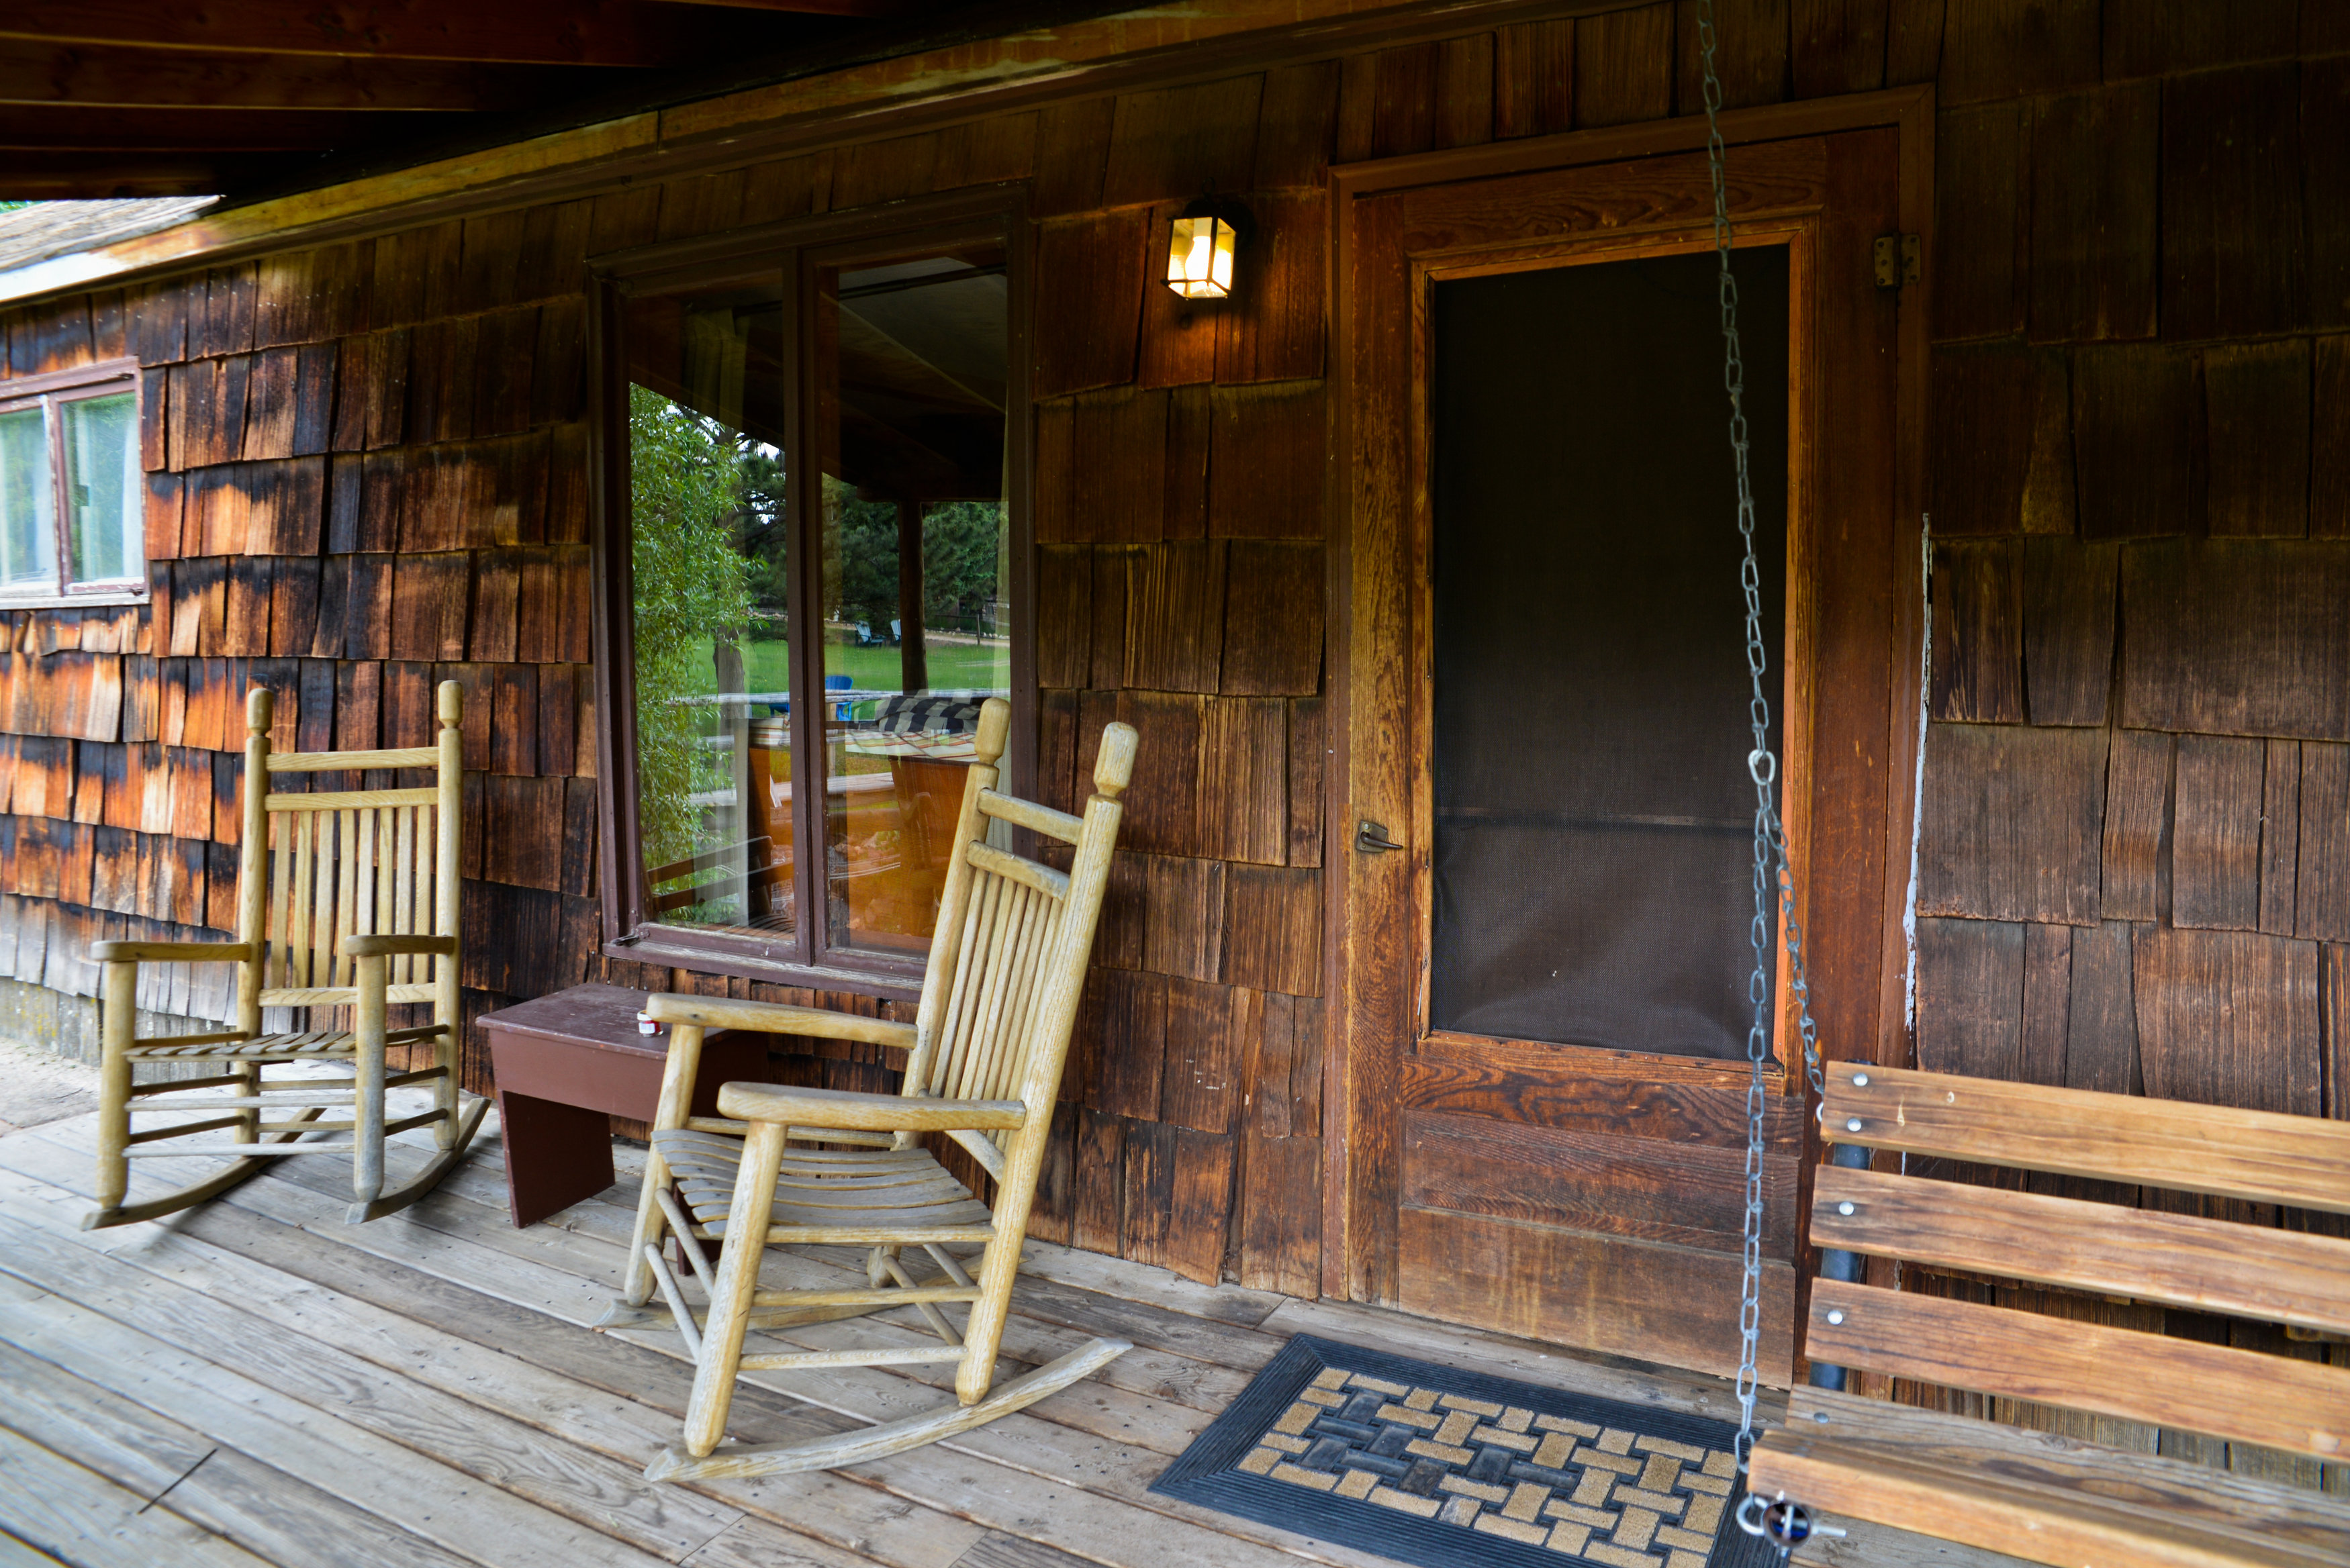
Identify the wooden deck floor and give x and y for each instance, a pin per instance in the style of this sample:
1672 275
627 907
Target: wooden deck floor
256 1382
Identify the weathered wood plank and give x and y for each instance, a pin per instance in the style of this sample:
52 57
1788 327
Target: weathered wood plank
1977 661
1171 143
2255 1155
1980 215
1243 783
1624 66
2230 1018
2012 818
2257 397
1296 122
2329 472
1534 78
2233 259
1094 269
1268 466
2216 831
2094 190
1687 1193
1273 331
2322 856
2069 603
1971 976
2133 419
2271 1400
1998 48
2235 637
1494 1274
2207 1265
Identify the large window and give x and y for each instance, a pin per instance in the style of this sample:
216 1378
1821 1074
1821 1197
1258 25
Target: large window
817 591
72 520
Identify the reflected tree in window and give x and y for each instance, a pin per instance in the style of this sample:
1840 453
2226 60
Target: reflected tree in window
693 590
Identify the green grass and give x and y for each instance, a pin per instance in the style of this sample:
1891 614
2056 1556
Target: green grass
953 666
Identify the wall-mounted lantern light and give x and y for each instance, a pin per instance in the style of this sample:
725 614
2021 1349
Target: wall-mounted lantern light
1208 234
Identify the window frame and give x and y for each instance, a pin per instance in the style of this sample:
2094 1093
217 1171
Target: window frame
49 392
788 252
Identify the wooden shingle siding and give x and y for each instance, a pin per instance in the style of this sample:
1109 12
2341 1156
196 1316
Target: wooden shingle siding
368 470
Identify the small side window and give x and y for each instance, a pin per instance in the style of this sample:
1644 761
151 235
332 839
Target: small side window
72 497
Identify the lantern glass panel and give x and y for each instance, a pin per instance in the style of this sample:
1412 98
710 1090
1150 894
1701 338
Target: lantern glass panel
1199 257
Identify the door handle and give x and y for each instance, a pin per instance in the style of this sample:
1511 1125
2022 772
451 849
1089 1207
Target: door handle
1372 837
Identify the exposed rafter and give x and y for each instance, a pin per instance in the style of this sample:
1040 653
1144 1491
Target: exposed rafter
631 33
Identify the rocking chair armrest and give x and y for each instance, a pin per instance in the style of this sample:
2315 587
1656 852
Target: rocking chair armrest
847 1110
777 1018
383 946
171 953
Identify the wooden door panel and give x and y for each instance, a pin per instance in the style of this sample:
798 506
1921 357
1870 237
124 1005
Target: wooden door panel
1608 1294
1690 1194
1595 1197
1766 180
1610 1093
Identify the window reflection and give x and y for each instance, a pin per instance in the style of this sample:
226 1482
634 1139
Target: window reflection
711 608
915 551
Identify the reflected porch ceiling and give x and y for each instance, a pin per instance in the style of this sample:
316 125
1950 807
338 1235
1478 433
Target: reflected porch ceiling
253 97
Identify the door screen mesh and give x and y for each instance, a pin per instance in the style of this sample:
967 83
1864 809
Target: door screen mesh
1593 813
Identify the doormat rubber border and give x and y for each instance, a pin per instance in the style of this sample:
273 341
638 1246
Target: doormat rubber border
1285 1453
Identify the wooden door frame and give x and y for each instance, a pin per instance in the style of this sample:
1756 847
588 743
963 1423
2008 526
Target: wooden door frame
1910 112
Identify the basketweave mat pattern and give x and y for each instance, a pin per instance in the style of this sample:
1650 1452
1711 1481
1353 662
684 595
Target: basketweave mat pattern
1445 1468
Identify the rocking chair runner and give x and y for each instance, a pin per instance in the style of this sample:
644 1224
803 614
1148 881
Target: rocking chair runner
345 899
984 1067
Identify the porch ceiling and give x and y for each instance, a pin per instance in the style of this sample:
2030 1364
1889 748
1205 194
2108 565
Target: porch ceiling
137 98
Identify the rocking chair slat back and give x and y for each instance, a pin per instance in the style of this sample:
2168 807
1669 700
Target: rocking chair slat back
345 862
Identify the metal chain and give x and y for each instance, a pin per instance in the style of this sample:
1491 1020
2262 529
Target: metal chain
1772 875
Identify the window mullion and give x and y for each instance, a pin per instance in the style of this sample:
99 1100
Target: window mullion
803 490
53 418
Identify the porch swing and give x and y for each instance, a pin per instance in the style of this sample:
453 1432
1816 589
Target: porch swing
1997 1484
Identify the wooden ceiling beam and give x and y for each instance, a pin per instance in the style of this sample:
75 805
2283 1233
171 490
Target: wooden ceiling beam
48 175
70 128
514 32
31 72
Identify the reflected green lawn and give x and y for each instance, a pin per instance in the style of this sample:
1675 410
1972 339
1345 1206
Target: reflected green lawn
953 666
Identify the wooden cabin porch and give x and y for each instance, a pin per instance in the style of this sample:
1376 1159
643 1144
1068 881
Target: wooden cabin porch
257 1382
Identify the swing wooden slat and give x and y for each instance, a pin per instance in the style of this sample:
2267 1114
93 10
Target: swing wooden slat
2161 1379
2178 1260
2261 1157
2036 1495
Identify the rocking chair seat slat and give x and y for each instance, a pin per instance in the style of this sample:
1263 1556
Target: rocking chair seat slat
915 1193
314 1044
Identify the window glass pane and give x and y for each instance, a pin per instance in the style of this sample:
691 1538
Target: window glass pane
103 488
910 376
29 529
713 679
1593 818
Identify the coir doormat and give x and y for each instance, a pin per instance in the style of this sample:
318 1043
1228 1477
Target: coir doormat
1445 1469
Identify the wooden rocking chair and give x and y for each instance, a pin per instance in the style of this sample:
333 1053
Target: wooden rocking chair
347 899
985 1059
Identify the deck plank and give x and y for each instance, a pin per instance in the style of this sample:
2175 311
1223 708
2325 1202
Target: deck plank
408 1454
71 1514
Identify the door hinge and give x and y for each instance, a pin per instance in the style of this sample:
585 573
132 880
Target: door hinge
1900 260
